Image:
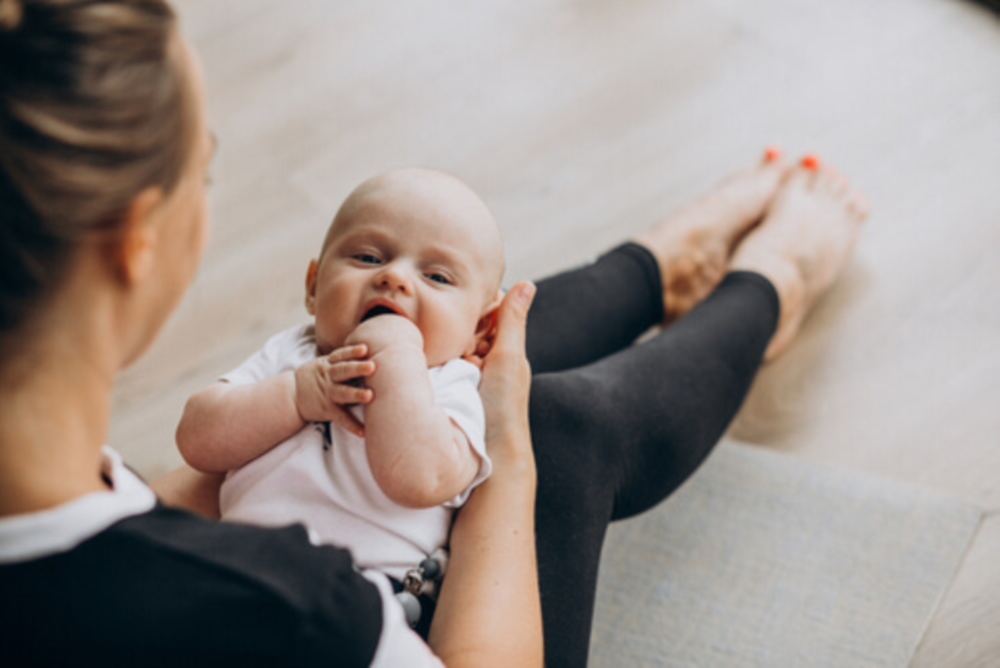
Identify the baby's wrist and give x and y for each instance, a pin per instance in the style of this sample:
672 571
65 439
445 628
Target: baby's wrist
301 382
386 332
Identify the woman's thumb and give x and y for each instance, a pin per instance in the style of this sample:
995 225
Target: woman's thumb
513 315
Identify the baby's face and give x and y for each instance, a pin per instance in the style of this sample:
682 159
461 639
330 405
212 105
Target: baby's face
417 243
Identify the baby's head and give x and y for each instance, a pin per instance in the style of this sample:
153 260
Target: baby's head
416 242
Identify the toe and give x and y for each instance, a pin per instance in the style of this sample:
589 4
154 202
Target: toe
811 161
830 175
781 169
817 180
841 186
774 161
801 178
858 206
768 171
830 181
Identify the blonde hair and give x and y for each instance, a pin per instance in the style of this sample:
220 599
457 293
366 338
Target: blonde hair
93 109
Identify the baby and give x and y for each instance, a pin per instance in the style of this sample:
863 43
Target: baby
366 425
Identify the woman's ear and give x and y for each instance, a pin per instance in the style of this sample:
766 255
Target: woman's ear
134 249
311 286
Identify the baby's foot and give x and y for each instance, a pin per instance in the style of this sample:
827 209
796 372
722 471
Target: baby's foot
803 243
692 246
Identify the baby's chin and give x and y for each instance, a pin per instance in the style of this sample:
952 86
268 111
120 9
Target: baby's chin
439 358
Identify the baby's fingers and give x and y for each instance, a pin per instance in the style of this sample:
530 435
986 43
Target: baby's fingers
345 395
348 353
343 418
341 371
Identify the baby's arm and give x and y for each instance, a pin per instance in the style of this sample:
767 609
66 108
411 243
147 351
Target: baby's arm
418 456
225 426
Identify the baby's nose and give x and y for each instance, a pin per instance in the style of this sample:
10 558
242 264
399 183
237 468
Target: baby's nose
394 277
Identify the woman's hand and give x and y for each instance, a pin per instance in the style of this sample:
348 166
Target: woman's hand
489 612
507 381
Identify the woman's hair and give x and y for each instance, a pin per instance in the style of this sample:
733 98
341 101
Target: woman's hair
93 109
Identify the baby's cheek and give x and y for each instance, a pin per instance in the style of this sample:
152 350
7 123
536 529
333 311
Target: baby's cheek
400 328
448 338
332 334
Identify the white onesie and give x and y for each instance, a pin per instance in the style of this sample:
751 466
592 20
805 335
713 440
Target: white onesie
320 476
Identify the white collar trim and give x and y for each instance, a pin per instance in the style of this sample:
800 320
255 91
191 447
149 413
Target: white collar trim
46 532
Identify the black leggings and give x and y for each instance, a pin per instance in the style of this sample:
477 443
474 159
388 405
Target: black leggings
618 427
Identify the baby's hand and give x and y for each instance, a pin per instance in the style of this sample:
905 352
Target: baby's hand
384 331
323 388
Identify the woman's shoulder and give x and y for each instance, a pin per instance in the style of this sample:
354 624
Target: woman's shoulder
123 577
279 567
169 581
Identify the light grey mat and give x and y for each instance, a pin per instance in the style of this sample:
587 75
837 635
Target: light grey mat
763 559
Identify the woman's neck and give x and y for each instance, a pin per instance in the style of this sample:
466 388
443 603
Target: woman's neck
54 412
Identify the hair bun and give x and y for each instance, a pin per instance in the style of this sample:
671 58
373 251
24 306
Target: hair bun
11 12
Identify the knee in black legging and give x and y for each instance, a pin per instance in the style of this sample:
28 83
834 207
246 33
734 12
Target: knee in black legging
575 476
633 422
668 431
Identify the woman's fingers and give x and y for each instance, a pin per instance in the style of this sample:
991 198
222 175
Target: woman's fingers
506 374
512 319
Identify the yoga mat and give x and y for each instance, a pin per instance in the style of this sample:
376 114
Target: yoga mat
763 559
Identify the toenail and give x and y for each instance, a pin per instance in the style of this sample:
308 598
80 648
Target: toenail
810 162
772 153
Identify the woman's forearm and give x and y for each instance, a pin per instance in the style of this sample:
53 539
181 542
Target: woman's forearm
489 613
192 490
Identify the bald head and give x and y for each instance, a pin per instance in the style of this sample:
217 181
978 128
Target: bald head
416 199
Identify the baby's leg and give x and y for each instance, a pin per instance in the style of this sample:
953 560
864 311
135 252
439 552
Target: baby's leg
616 437
585 314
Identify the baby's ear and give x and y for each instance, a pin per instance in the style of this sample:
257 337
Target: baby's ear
485 328
311 286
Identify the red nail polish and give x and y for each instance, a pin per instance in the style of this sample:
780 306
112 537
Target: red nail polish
772 153
810 162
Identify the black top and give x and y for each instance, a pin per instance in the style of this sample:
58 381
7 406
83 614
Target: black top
167 587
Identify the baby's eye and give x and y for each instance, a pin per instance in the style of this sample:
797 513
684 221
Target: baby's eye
439 278
367 258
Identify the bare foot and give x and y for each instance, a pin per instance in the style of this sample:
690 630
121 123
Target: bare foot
693 246
803 244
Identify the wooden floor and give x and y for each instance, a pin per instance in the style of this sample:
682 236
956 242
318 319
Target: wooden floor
583 122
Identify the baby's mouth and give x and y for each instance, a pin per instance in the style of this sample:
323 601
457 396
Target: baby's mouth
377 310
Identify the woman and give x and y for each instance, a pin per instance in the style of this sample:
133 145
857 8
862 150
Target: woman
103 150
